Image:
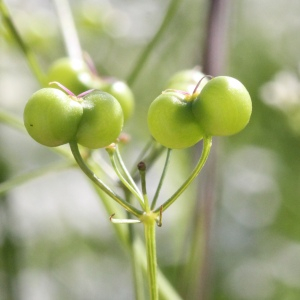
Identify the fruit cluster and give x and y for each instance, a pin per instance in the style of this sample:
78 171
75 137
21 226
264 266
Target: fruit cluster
53 118
179 118
93 119
191 107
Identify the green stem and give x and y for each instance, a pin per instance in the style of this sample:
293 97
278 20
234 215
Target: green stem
99 183
207 142
148 146
136 266
154 153
126 172
67 26
127 184
142 170
172 9
32 62
149 220
161 179
18 180
11 120
166 290
134 254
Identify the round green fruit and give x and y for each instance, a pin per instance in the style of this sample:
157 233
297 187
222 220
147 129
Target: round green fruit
121 91
101 122
74 74
223 106
172 123
51 117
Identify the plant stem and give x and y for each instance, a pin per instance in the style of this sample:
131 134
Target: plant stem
153 154
128 185
142 170
216 45
207 141
126 172
149 221
141 157
68 29
166 290
153 204
172 9
15 122
136 266
99 183
32 62
133 242
11 120
18 180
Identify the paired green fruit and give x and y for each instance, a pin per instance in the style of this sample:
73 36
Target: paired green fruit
53 118
223 106
171 121
179 120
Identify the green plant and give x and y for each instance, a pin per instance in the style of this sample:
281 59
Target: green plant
171 121
96 121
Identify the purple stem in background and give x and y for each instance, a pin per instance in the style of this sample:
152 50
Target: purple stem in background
215 49
216 42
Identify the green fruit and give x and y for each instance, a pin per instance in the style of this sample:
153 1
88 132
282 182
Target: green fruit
171 121
51 117
101 122
74 74
121 91
186 80
223 106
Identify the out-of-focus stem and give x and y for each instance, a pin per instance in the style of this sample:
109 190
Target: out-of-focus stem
31 59
140 63
68 29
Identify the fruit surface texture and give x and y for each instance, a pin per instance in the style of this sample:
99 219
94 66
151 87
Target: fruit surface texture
51 117
223 106
101 122
172 123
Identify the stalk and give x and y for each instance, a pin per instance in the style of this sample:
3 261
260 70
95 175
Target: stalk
99 183
31 59
68 29
207 142
172 9
149 221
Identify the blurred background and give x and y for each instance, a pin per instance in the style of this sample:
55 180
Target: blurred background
56 241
